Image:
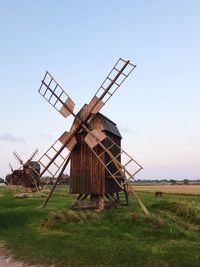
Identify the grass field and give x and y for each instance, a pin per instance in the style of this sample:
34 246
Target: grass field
175 189
116 237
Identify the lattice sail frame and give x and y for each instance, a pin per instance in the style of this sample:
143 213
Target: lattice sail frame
46 158
115 78
56 96
128 169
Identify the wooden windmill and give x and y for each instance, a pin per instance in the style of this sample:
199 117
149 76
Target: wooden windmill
99 166
27 175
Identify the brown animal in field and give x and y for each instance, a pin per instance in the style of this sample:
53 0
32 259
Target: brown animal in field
158 194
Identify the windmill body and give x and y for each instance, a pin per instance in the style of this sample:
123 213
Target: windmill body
87 175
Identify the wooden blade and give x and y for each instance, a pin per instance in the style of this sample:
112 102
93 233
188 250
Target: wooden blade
58 178
132 191
33 180
95 105
11 167
67 108
127 165
56 96
71 144
33 155
93 137
113 81
17 157
53 159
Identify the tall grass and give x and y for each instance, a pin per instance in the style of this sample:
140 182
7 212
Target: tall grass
186 210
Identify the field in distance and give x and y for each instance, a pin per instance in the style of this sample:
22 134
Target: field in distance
167 188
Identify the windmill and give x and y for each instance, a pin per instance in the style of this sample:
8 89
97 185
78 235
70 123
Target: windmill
97 160
27 175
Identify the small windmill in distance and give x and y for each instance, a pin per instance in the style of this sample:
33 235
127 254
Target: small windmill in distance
27 176
99 166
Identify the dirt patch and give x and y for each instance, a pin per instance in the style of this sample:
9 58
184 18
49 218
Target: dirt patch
6 259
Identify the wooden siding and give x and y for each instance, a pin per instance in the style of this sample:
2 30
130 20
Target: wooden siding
87 174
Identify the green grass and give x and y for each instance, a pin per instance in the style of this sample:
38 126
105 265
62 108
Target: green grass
115 237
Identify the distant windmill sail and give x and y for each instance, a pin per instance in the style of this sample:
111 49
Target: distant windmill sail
28 175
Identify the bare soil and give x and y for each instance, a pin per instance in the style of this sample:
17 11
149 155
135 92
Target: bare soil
6 259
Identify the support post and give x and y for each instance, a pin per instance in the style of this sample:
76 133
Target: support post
57 180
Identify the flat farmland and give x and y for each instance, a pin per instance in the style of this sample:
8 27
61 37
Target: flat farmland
173 189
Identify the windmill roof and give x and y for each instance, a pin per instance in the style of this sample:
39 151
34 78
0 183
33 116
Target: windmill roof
109 125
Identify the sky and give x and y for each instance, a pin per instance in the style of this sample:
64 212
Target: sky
157 109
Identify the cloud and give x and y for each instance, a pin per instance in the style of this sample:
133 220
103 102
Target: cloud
45 136
11 138
124 129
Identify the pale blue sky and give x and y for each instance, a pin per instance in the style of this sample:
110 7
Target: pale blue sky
157 108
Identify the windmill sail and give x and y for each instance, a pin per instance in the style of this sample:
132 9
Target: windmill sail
119 73
53 159
56 96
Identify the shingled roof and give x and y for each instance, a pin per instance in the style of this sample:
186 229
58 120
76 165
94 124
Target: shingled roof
108 125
